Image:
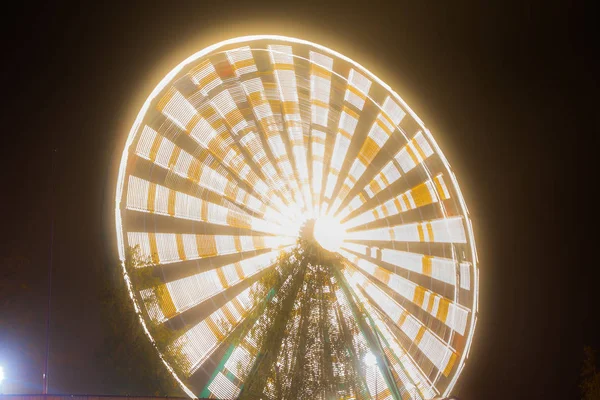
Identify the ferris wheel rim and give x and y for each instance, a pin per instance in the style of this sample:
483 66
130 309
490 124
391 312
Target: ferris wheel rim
173 73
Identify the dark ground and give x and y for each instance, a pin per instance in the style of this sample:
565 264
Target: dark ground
509 91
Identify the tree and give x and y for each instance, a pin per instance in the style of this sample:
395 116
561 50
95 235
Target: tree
126 348
305 348
590 376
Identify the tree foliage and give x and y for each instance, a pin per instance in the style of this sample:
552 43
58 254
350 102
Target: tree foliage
126 348
590 376
303 347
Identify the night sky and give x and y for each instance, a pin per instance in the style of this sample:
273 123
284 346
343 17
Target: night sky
509 92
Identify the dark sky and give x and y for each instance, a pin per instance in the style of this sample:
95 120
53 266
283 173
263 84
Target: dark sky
509 92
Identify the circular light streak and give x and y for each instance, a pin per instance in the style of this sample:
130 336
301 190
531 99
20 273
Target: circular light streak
241 144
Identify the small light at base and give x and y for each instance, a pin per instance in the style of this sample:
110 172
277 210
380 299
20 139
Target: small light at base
370 360
1 374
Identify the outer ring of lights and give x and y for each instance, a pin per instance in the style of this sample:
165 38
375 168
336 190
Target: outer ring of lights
174 72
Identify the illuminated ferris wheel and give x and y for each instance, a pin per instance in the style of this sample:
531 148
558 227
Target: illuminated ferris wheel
235 152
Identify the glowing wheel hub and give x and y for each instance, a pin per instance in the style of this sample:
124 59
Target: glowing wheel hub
329 233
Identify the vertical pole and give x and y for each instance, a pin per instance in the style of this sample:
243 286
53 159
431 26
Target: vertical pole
45 375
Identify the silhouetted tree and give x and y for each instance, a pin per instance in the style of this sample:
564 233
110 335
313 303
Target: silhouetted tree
590 376
126 348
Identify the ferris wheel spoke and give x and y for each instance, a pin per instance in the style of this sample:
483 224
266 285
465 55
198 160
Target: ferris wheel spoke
230 154
321 96
199 311
203 170
229 376
253 154
441 269
443 230
139 220
273 97
158 176
407 374
183 269
208 187
406 159
169 248
354 100
247 138
192 297
251 81
413 359
417 334
212 131
323 137
321 71
445 310
429 192
147 197
257 98
382 129
282 60
198 342
350 154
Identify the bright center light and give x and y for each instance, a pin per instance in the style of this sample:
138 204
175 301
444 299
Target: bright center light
1 374
329 233
370 359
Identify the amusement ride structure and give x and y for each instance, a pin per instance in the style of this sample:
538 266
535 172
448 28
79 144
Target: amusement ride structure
289 228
